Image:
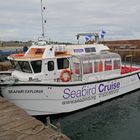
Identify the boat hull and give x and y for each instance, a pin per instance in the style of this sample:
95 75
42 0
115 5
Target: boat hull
44 98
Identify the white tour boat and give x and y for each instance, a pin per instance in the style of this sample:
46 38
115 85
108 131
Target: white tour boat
51 79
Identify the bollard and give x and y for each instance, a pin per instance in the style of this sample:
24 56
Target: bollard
58 127
48 122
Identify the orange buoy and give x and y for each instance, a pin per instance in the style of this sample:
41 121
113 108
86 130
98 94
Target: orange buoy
65 75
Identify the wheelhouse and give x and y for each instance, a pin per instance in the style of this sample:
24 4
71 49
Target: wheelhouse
55 62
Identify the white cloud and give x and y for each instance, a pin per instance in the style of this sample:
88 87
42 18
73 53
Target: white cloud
65 18
9 33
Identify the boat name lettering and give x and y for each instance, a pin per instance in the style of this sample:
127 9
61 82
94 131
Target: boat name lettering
25 91
79 100
108 87
108 93
83 92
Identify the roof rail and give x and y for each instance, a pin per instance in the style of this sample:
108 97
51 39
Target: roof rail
96 36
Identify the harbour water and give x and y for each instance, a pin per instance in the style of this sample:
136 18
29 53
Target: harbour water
117 119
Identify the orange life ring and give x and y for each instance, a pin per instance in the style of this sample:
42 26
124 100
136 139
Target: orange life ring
63 73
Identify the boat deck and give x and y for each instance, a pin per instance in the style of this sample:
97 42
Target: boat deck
128 69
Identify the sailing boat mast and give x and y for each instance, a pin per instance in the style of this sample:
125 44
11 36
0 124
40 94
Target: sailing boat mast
42 17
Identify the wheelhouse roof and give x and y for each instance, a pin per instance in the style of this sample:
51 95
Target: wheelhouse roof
95 56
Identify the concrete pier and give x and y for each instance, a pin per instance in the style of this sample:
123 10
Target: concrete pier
16 124
4 66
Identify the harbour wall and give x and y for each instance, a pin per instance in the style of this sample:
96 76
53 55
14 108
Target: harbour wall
125 48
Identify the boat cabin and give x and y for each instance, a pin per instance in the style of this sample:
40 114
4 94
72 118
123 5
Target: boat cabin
95 66
61 63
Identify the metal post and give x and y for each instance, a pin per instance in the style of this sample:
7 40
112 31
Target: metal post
48 122
58 125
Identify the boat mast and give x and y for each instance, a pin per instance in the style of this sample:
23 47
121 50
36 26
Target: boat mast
42 19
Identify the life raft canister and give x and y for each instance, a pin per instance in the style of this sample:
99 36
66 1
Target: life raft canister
17 55
65 75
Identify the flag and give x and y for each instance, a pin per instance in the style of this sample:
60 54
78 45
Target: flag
102 34
88 38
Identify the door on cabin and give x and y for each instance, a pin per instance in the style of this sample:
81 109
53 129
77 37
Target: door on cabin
50 70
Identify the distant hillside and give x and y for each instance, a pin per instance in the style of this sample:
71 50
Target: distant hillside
21 43
14 43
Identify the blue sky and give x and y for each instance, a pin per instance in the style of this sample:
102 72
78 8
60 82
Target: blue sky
21 20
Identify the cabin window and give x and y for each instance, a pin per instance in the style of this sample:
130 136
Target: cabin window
25 66
15 65
88 50
87 68
35 51
62 63
50 66
39 51
117 64
98 66
76 68
95 66
36 65
108 65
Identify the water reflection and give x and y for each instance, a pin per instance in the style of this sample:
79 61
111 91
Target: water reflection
107 121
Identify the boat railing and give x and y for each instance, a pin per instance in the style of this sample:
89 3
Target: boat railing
127 59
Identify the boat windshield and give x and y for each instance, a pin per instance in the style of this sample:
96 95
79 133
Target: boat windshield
23 66
36 65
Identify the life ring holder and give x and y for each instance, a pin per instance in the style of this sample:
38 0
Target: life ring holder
68 72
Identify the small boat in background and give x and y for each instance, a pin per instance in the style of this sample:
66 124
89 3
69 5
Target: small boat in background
5 65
